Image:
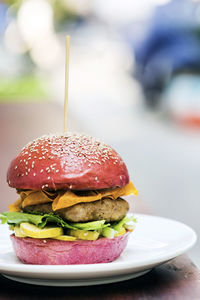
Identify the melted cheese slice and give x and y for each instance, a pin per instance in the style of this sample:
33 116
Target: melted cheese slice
61 199
16 206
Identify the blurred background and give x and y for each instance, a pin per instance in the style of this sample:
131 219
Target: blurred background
134 82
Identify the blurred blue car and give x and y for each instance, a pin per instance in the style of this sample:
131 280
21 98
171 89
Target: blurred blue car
171 46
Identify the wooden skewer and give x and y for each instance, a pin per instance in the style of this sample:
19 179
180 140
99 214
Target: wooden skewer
66 82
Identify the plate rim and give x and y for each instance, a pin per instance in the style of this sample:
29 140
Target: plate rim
77 282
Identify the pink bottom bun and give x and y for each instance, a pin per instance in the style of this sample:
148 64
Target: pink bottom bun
56 252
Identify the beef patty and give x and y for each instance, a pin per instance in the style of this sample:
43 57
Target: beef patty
104 209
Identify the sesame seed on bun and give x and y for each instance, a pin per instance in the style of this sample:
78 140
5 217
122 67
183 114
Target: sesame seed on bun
71 161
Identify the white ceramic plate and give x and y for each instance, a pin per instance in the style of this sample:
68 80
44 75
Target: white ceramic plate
154 241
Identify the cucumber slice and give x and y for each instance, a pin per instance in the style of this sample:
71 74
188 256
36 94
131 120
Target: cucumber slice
108 232
65 238
18 232
84 234
94 225
126 220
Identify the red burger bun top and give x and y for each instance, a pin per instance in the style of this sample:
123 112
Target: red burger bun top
71 161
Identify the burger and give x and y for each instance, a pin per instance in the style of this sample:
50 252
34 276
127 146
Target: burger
70 208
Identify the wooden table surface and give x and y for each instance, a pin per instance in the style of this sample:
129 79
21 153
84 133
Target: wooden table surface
178 279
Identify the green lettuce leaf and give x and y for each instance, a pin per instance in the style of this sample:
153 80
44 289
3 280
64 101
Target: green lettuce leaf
3 219
15 218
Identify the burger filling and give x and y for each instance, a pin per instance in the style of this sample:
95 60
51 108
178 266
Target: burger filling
69 215
105 209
